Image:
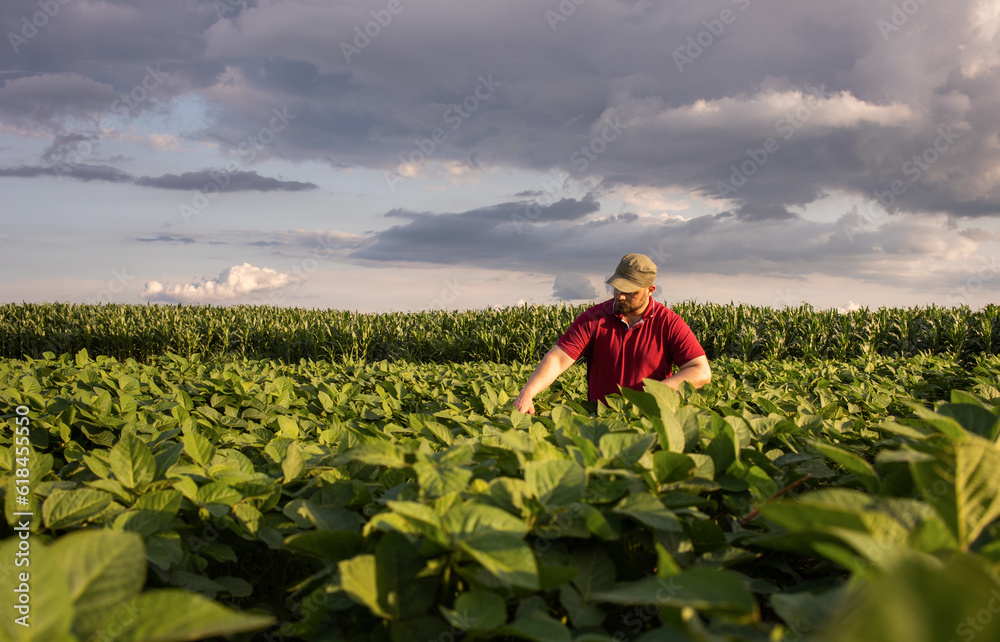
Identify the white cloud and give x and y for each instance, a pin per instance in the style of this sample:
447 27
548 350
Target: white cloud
234 283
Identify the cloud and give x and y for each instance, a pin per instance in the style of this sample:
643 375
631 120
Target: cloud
235 181
167 238
488 234
573 287
237 283
832 90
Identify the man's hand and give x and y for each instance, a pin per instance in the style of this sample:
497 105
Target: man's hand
525 404
553 364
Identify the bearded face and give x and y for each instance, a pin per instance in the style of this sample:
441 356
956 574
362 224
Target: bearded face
631 302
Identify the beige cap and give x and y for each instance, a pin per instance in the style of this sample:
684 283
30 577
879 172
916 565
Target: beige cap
634 271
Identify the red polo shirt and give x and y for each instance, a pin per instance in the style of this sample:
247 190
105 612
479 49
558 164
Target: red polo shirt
621 356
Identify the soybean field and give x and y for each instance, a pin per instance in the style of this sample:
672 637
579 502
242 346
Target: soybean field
189 473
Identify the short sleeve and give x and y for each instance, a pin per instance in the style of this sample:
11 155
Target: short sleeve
684 346
577 337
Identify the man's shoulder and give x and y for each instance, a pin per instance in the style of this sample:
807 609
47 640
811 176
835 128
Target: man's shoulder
597 311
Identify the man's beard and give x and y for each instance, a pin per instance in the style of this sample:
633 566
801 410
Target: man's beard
623 307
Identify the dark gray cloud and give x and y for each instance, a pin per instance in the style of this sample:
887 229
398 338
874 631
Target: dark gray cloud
235 181
764 108
573 287
881 250
490 235
167 238
79 172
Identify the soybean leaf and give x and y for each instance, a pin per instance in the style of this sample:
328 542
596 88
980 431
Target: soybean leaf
198 447
50 610
539 627
479 612
64 508
173 615
594 570
963 488
103 569
856 465
556 483
505 556
647 509
703 589
132 462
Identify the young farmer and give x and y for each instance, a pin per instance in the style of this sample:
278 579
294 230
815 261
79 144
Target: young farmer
624 340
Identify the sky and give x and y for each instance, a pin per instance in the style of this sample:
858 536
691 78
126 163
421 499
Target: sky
416 154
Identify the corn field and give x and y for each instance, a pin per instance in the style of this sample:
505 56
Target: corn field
508 335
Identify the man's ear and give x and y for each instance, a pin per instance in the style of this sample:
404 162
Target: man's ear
652 289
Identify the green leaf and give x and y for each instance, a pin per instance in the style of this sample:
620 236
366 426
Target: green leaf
132 462
647 509
625 448
294 463
539 627
103 569
963 488
724 448
198 447
331 545
922 599
974 418
438 481
595 520
581 614
594 571
173 615
670 467
804 612
856 465
358 578
404 589
505 556
64 508
556 483
218 493
703 589
473 519
382 453
50 611
479 612
391 582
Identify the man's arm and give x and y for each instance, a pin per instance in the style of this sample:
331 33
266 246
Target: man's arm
553 364
696 371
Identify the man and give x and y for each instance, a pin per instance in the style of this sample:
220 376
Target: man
626 339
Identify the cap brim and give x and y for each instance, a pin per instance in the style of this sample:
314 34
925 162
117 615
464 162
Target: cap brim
622 285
